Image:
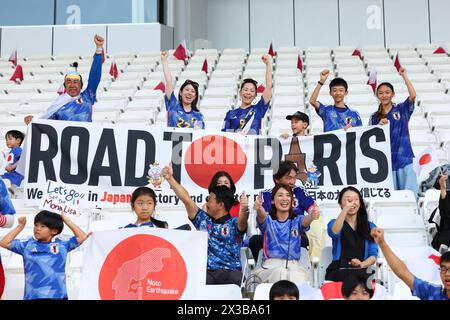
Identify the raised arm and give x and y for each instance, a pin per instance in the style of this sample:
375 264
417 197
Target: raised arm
95 74
167 74
180 192
339 222
398 266
260 211
443 186
313 215
80 234
409 85
10 236
313 99
243 213
267 93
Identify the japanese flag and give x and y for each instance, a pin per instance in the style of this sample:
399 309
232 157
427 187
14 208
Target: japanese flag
373 79
425 162
13 57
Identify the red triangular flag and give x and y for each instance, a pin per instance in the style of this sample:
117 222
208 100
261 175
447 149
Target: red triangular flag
357 52
103 56
441 49
373 79
18 74
13 57
61 90
161 86
205 66
260 89
113 70
180 52
271 52
397 63
300 63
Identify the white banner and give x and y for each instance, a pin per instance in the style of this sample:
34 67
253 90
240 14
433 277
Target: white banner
110 161
144 264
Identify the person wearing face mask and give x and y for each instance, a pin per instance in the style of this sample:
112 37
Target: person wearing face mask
354 249
75 105
247 118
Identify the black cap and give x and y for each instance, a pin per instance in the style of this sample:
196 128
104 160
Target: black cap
300 116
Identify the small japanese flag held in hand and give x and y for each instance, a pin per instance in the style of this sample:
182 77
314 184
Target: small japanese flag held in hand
299 63
103 56
357 52
271 52
113 71
373 79
180 52
13 57
260 89
205 66
397 64
61 90
160 86
441 50
425 162
18 74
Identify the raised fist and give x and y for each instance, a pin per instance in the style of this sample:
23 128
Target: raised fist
99 41
324 75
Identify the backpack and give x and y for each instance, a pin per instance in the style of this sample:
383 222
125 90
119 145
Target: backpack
442 235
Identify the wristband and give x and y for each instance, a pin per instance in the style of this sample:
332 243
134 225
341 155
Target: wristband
321 83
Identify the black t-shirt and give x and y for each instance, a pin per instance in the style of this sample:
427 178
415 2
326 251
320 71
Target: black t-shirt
352 246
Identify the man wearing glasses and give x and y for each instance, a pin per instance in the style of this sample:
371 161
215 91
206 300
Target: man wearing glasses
420 288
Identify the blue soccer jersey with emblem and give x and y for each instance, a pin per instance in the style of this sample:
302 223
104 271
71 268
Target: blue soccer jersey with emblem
45 266
13 176
401 149
335 118
302 200
237 119
177 117
224 240
6 206
428 291
81 109
281 236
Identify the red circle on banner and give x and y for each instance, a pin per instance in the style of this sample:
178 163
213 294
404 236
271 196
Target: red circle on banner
425 159
143 267
213 153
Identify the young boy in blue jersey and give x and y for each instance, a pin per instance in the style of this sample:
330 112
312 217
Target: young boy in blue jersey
75 105
398 115
302 202
14 139
7 212
44 255
182 112
225 233
247 118
338 116
420 288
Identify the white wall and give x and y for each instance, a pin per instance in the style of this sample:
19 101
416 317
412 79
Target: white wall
406 22
361 22
316 23
27 40
271 20
228 24
440 21
79 40
143 37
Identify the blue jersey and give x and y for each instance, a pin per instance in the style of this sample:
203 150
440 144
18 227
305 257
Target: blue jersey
45 266
302 200
13 176
401 149
335 118
224 240
6 206
177 117
281 236
427 291
133 225
237 119
81 109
